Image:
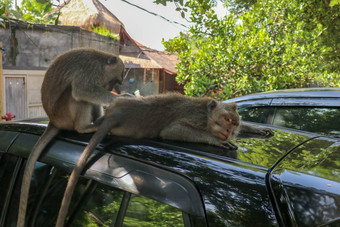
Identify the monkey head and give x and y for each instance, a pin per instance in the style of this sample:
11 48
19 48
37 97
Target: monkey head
115 70
223 119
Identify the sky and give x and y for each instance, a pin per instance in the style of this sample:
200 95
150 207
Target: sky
149 29
144 27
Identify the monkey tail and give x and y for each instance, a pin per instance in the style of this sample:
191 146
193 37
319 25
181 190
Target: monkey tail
72 182
50 132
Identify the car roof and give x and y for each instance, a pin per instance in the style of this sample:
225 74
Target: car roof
292 93
275 146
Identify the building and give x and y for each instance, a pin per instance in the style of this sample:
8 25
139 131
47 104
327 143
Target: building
149 71
30 48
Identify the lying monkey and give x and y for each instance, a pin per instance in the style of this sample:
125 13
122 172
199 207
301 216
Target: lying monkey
169 116
75 87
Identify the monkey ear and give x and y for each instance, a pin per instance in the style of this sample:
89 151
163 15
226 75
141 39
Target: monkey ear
111 60
212 105
234 106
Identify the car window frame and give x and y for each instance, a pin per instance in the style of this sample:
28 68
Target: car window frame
10 192
193 214
260 103
296 102
276 102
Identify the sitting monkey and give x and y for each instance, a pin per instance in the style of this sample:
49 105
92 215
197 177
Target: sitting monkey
75 87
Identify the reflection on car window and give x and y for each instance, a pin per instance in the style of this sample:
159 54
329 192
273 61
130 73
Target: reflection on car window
7 164
256 114
101 205
325 121
93 203
147 212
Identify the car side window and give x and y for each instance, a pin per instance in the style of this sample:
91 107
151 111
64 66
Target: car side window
93 203
256 114
8 164
152 213
322 120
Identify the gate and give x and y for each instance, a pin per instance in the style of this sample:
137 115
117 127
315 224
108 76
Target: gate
15 96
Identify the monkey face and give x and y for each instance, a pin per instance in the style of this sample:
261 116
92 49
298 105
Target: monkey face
114 70
224 120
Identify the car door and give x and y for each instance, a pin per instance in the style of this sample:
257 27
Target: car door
306 185
115 191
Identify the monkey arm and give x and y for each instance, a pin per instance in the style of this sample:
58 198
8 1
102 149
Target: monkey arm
255 131
91 93
181 132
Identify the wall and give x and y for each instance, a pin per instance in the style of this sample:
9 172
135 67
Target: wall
35 46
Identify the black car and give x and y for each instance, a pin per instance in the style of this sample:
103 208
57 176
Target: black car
290 179
310 109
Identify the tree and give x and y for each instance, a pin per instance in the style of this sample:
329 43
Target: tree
5 6
270 45
34 11
327 13
38 11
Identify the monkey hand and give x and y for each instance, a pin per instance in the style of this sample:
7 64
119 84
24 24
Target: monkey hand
253 131
267 132
226 145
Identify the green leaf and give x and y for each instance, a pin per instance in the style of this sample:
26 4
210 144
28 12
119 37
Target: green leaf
2 10
334 2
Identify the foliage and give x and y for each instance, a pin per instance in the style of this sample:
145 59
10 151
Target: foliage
105 32
181 5
143 212
38 11
103 207
272 45
334 2
329 16
4 6
34 11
